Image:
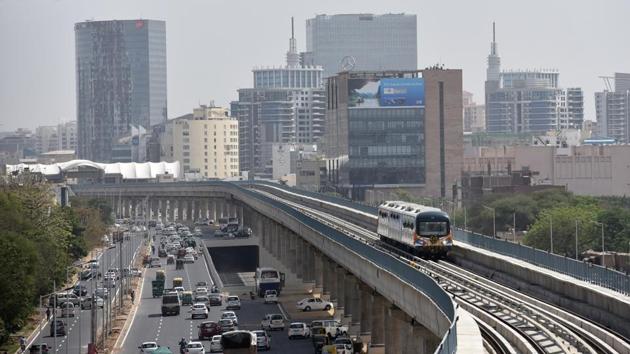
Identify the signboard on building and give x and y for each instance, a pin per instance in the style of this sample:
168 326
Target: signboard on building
393 92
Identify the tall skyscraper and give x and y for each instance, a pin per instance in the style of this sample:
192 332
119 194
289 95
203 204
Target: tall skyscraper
612 107
286 105
392 131
121 84
493 72
528 101
362 42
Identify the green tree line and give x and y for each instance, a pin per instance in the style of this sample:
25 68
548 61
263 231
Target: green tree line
566 214
38 241
538 212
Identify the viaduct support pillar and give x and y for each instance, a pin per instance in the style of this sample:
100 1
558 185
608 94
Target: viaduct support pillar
378 321
299 252
341 292
318 269
365 304
395 323
292 255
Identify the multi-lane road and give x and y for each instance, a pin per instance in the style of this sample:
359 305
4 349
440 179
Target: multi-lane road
149 325
78 327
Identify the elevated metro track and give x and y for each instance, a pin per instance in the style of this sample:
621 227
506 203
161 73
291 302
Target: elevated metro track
528 324
394 279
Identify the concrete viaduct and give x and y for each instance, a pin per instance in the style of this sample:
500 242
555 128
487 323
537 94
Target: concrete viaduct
379 297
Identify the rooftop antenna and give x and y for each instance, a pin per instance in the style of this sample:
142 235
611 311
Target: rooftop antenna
493 32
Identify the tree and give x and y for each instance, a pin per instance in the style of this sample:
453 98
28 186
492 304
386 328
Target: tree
18 265
616 229
562 220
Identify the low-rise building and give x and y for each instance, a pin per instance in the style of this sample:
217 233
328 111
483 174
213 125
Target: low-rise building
594 170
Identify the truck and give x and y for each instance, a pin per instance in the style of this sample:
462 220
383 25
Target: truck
157 288
268 279
171 304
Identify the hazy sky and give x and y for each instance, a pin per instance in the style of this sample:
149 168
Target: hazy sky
212 45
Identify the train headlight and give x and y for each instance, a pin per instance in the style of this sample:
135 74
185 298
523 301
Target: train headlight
447 242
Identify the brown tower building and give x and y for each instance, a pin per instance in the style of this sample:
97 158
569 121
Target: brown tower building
393 131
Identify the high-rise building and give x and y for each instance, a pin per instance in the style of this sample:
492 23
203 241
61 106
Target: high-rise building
46 138
205 142
56 137
528 101
286 105
612 108
67 136
121 83
474 114
391 131
362 42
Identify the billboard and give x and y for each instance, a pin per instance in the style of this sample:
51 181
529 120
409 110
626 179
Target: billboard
393 92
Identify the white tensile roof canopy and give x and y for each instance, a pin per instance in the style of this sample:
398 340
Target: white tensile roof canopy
128 170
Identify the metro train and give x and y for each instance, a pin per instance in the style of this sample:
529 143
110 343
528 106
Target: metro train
418 229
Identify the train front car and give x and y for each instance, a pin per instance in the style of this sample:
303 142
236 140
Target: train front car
418 229
433 236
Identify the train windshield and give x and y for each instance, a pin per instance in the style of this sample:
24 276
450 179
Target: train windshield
433 228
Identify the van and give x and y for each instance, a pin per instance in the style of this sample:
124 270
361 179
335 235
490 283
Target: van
187 298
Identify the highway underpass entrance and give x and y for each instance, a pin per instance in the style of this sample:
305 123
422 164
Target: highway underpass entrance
236 265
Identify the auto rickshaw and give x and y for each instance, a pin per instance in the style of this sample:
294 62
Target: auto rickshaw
178 281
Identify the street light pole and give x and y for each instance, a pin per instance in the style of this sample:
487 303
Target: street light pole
551 232
514 227
494 220
576 239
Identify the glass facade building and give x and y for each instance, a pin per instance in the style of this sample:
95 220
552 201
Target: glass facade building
385 146
286 105
362 42
532 102
121 82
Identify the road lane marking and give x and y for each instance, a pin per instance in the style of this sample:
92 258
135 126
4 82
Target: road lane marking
133 317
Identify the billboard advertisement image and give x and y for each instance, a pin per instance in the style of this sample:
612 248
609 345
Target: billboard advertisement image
394 92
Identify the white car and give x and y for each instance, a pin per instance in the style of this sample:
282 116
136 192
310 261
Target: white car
215 344
201 291
343 345
314 303
199 310
195 348
332 327
299 329
189 258
67 309
148 347
233 302
263 340
272 321
179 289
231 316
271 297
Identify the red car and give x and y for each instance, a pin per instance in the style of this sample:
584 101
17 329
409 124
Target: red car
208 329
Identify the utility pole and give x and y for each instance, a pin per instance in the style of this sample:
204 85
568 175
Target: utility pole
121 273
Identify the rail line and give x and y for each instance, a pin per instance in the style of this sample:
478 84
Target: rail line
512 321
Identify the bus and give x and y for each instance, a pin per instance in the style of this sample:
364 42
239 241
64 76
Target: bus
268 279
239 342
